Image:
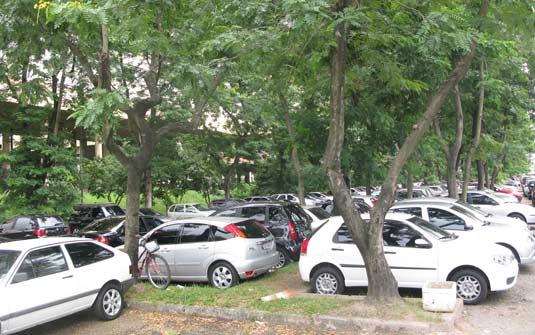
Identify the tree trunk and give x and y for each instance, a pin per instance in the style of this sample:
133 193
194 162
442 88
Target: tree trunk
486 170
6 149
227 182
57 119
477 118
493 177
480 175
148 188
410 184
368 180
131 235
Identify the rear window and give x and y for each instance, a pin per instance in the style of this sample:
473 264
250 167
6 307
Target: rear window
115 210
320 213
252 229
49 221
7 259
104 225
298 215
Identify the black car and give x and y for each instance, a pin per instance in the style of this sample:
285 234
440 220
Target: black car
111 230
530 186
85 214
288 223
224 203
32 226
149 212
4 240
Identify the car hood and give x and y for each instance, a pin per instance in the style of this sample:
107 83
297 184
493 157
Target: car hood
465 245
522 208
504 221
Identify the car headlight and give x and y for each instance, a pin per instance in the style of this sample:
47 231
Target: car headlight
503 259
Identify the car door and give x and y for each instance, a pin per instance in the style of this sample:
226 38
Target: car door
194 251
41 289
446 219
23 229
345 254
168 238
412 265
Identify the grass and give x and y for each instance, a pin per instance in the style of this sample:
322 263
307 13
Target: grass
248 293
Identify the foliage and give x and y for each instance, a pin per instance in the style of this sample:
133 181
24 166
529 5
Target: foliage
104 178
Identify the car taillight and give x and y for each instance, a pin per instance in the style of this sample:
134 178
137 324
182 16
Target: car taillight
39 232
102 239
293 233
234 230
374 201
304 247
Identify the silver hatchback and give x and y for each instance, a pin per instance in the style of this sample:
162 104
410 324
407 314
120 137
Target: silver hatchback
219 250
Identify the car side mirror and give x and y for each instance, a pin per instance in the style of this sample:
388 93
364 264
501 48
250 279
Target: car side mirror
421 243
468 227
20 277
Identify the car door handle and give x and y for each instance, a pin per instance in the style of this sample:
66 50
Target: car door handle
163 251
67 277
337 249
390 252
203 247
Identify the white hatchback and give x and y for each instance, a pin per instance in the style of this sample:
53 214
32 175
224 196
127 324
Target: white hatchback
46 279
416 251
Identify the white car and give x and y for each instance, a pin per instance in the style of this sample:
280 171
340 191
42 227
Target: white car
295 199
498 205
48 278
318 215
458 220
416 251
186 211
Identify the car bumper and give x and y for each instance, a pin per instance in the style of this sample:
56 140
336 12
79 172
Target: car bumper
528 257
530 219
258 266
127 284
503 277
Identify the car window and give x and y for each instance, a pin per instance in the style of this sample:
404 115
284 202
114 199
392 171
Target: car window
342 235
229 212
320 213
49 221
414 211
193 232
277 214
399 235
41 263
96 212
87 253
23 224
220 234
115 210
444 219
7 259
151 223
191 209
257 213
167 234
481 199
104 224
297 214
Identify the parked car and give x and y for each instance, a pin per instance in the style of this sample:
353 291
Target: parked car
361 205
218 250
149 212
528 188
318 215
402 194
456 219
416 251
511 190
224 203
85 214
111 231
288 223
309 201
495 204
4 240
185 211
320 196
257 198
33 226
47 279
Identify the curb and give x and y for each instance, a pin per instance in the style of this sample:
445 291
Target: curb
329 322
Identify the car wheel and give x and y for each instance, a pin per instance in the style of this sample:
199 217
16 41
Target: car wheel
327 280
222 275
109 302
472 286
517 216
284 258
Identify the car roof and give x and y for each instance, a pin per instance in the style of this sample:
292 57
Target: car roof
428 200
219 221
186 203
23 245
96 205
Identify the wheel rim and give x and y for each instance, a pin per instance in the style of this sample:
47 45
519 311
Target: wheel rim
468 288
326 283
112 302
222 277
158 273
282 260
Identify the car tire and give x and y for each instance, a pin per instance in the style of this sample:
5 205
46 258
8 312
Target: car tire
222 275
472 286
284 257
109 302
327 280
517 216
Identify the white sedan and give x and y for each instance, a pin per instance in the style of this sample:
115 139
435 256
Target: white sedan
187 211
457 219
499 205
46 279
416 251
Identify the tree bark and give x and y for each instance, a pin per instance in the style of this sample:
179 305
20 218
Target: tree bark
6 149
480 175
148 188
57 119
410 184
486 170
228 177
477 118
132 213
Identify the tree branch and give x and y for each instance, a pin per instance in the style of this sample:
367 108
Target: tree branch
84 62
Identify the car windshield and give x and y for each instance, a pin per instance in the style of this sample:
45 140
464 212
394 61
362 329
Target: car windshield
7 259
200 207
320 213
506 197
104 225
49 221
115 210
434 231
465 212
472 208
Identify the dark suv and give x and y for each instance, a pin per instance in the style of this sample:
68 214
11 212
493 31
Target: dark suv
288 223
32 226
85 214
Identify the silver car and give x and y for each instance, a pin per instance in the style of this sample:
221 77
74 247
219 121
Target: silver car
219 250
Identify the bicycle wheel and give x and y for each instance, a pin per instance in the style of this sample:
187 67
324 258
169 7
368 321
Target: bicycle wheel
158 271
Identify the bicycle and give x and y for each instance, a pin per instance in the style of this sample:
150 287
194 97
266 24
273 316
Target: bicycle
155 266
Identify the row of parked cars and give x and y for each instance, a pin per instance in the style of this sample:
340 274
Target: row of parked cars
425 239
